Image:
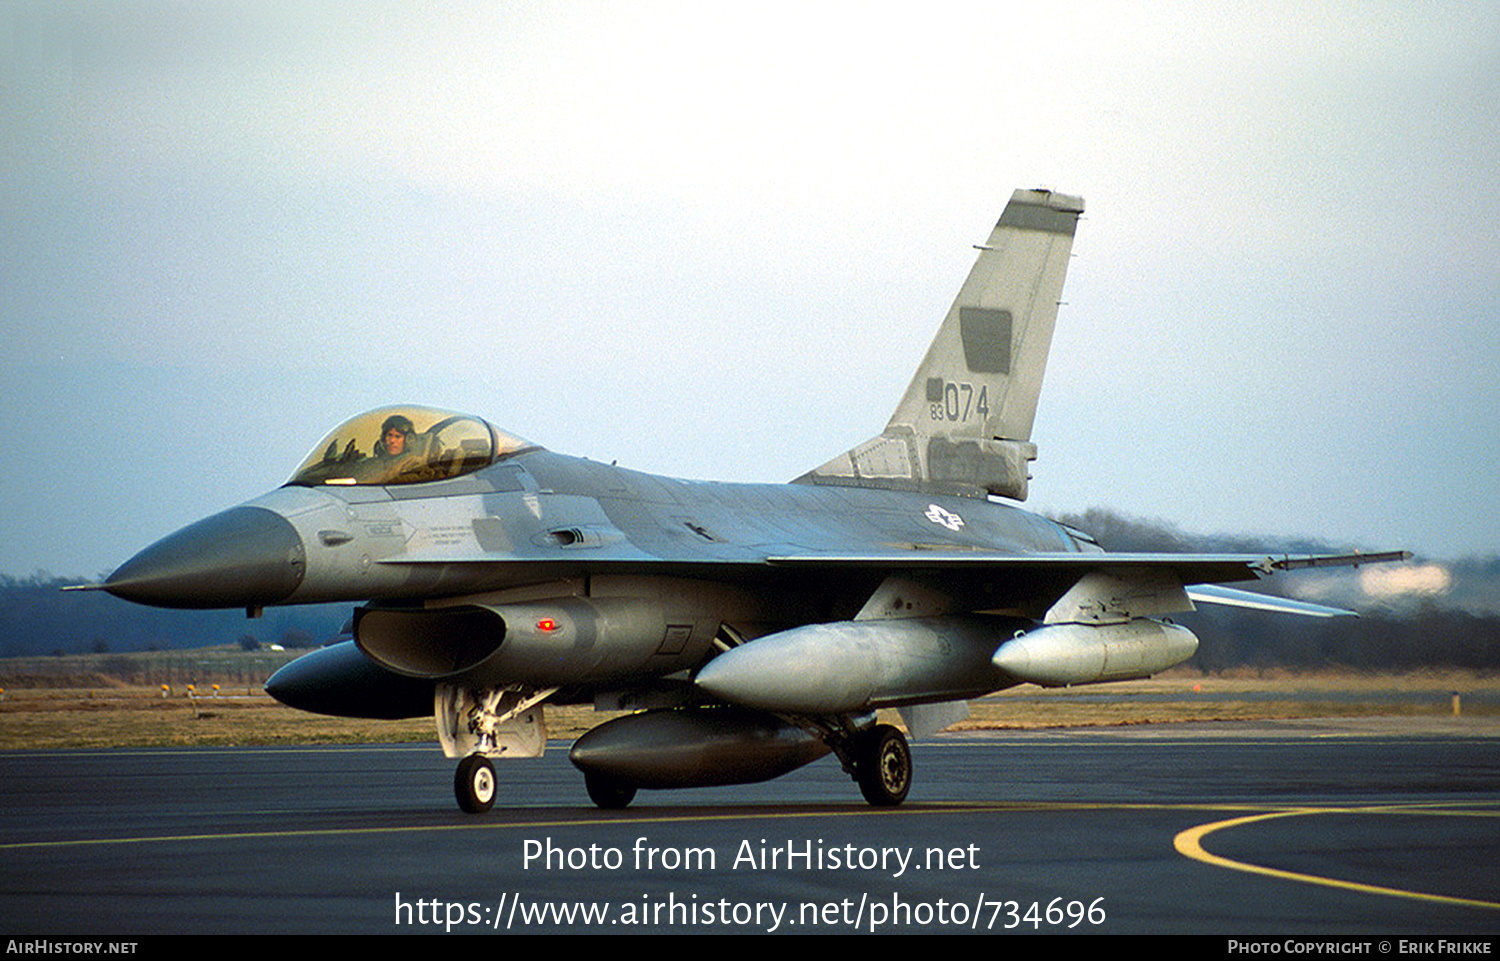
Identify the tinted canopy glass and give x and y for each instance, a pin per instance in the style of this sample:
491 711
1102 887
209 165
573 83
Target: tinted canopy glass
405 445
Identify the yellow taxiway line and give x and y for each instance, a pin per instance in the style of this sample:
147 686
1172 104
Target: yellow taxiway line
1189 844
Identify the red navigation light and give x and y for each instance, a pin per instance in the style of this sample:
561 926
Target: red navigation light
546 624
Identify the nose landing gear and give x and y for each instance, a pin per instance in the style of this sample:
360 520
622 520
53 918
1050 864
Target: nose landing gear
474 784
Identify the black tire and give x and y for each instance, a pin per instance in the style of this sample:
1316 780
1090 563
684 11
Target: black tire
474 784
610 795
882 765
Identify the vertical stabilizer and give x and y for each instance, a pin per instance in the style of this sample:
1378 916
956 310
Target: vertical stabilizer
964 425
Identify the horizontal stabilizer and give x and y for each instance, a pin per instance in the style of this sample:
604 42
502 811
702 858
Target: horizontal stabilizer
1229 597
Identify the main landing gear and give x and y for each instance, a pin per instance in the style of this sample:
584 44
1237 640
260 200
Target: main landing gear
881 764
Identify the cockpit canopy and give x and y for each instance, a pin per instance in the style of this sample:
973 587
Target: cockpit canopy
405 445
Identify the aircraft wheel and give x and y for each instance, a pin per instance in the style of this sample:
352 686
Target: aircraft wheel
610 795
474 784
883 766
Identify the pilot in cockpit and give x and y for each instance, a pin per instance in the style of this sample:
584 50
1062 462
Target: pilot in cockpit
395 437
449 445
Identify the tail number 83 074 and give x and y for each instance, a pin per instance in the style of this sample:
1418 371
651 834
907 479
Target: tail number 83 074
959 402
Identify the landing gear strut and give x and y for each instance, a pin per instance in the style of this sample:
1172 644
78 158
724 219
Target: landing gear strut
478 724
882 765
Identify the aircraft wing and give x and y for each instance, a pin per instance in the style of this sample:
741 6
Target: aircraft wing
1207 568
1199 575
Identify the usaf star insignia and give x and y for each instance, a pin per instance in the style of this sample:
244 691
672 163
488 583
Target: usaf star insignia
945 518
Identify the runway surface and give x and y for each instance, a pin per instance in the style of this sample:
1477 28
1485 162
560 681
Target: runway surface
1339 827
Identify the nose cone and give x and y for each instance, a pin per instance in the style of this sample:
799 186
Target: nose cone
244 557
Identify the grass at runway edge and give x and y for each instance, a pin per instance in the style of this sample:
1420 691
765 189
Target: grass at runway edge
107 714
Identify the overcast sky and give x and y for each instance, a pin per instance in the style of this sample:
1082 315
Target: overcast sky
714 241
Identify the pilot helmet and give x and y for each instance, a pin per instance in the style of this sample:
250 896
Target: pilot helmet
396 422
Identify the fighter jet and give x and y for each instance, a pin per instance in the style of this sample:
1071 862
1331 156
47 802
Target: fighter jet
748 629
